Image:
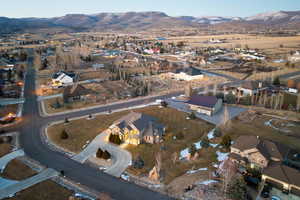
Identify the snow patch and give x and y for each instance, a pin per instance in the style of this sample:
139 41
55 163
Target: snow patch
207 182
197 170
222 156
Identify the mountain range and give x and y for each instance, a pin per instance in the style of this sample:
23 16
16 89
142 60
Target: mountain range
145 21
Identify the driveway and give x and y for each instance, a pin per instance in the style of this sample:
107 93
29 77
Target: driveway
216 119
120 157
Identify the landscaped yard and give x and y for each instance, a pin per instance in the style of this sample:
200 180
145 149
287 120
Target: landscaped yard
267 127
83 130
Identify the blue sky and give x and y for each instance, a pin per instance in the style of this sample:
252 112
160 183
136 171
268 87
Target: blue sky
50 8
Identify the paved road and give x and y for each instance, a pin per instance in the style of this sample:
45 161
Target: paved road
121 158
13 188
34 147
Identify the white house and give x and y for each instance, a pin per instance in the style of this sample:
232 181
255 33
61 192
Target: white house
187 74
62 78
251 88
295 58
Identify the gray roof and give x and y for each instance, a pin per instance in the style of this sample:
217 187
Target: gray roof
283 173
146 124
205 101
267 148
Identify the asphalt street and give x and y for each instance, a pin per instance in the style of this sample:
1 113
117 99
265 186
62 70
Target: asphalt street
30 130
35 148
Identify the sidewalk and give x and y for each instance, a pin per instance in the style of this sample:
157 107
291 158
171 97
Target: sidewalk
12 189
7 158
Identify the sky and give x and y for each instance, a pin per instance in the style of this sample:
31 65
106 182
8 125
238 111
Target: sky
53 8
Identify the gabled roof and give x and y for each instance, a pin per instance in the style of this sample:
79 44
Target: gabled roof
283 173
147 125
61 74
267 148
205 101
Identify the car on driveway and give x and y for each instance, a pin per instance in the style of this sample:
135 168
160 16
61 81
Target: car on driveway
275 198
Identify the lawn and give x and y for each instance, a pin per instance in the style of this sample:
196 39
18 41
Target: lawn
83 130
16 170
257 127
4 149
47 190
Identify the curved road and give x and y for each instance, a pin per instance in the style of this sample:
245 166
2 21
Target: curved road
35 148
30 130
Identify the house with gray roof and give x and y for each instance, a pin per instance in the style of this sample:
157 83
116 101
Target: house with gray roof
258 153
208 105
136 128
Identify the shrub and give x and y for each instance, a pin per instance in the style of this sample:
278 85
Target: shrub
115 139
64 135
106 155
230 98
164 104
192 115
276 81
192 149
99 153
226 141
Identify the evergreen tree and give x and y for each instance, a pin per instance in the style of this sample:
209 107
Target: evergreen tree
276 81
226 141
99 153
64 135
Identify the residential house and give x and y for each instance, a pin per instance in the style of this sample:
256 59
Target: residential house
282 177
187 74
136 128
251 88
250 150
62 78
76 92
208 105
295 57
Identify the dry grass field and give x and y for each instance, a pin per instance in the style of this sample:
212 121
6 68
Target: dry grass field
47 190
260 42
